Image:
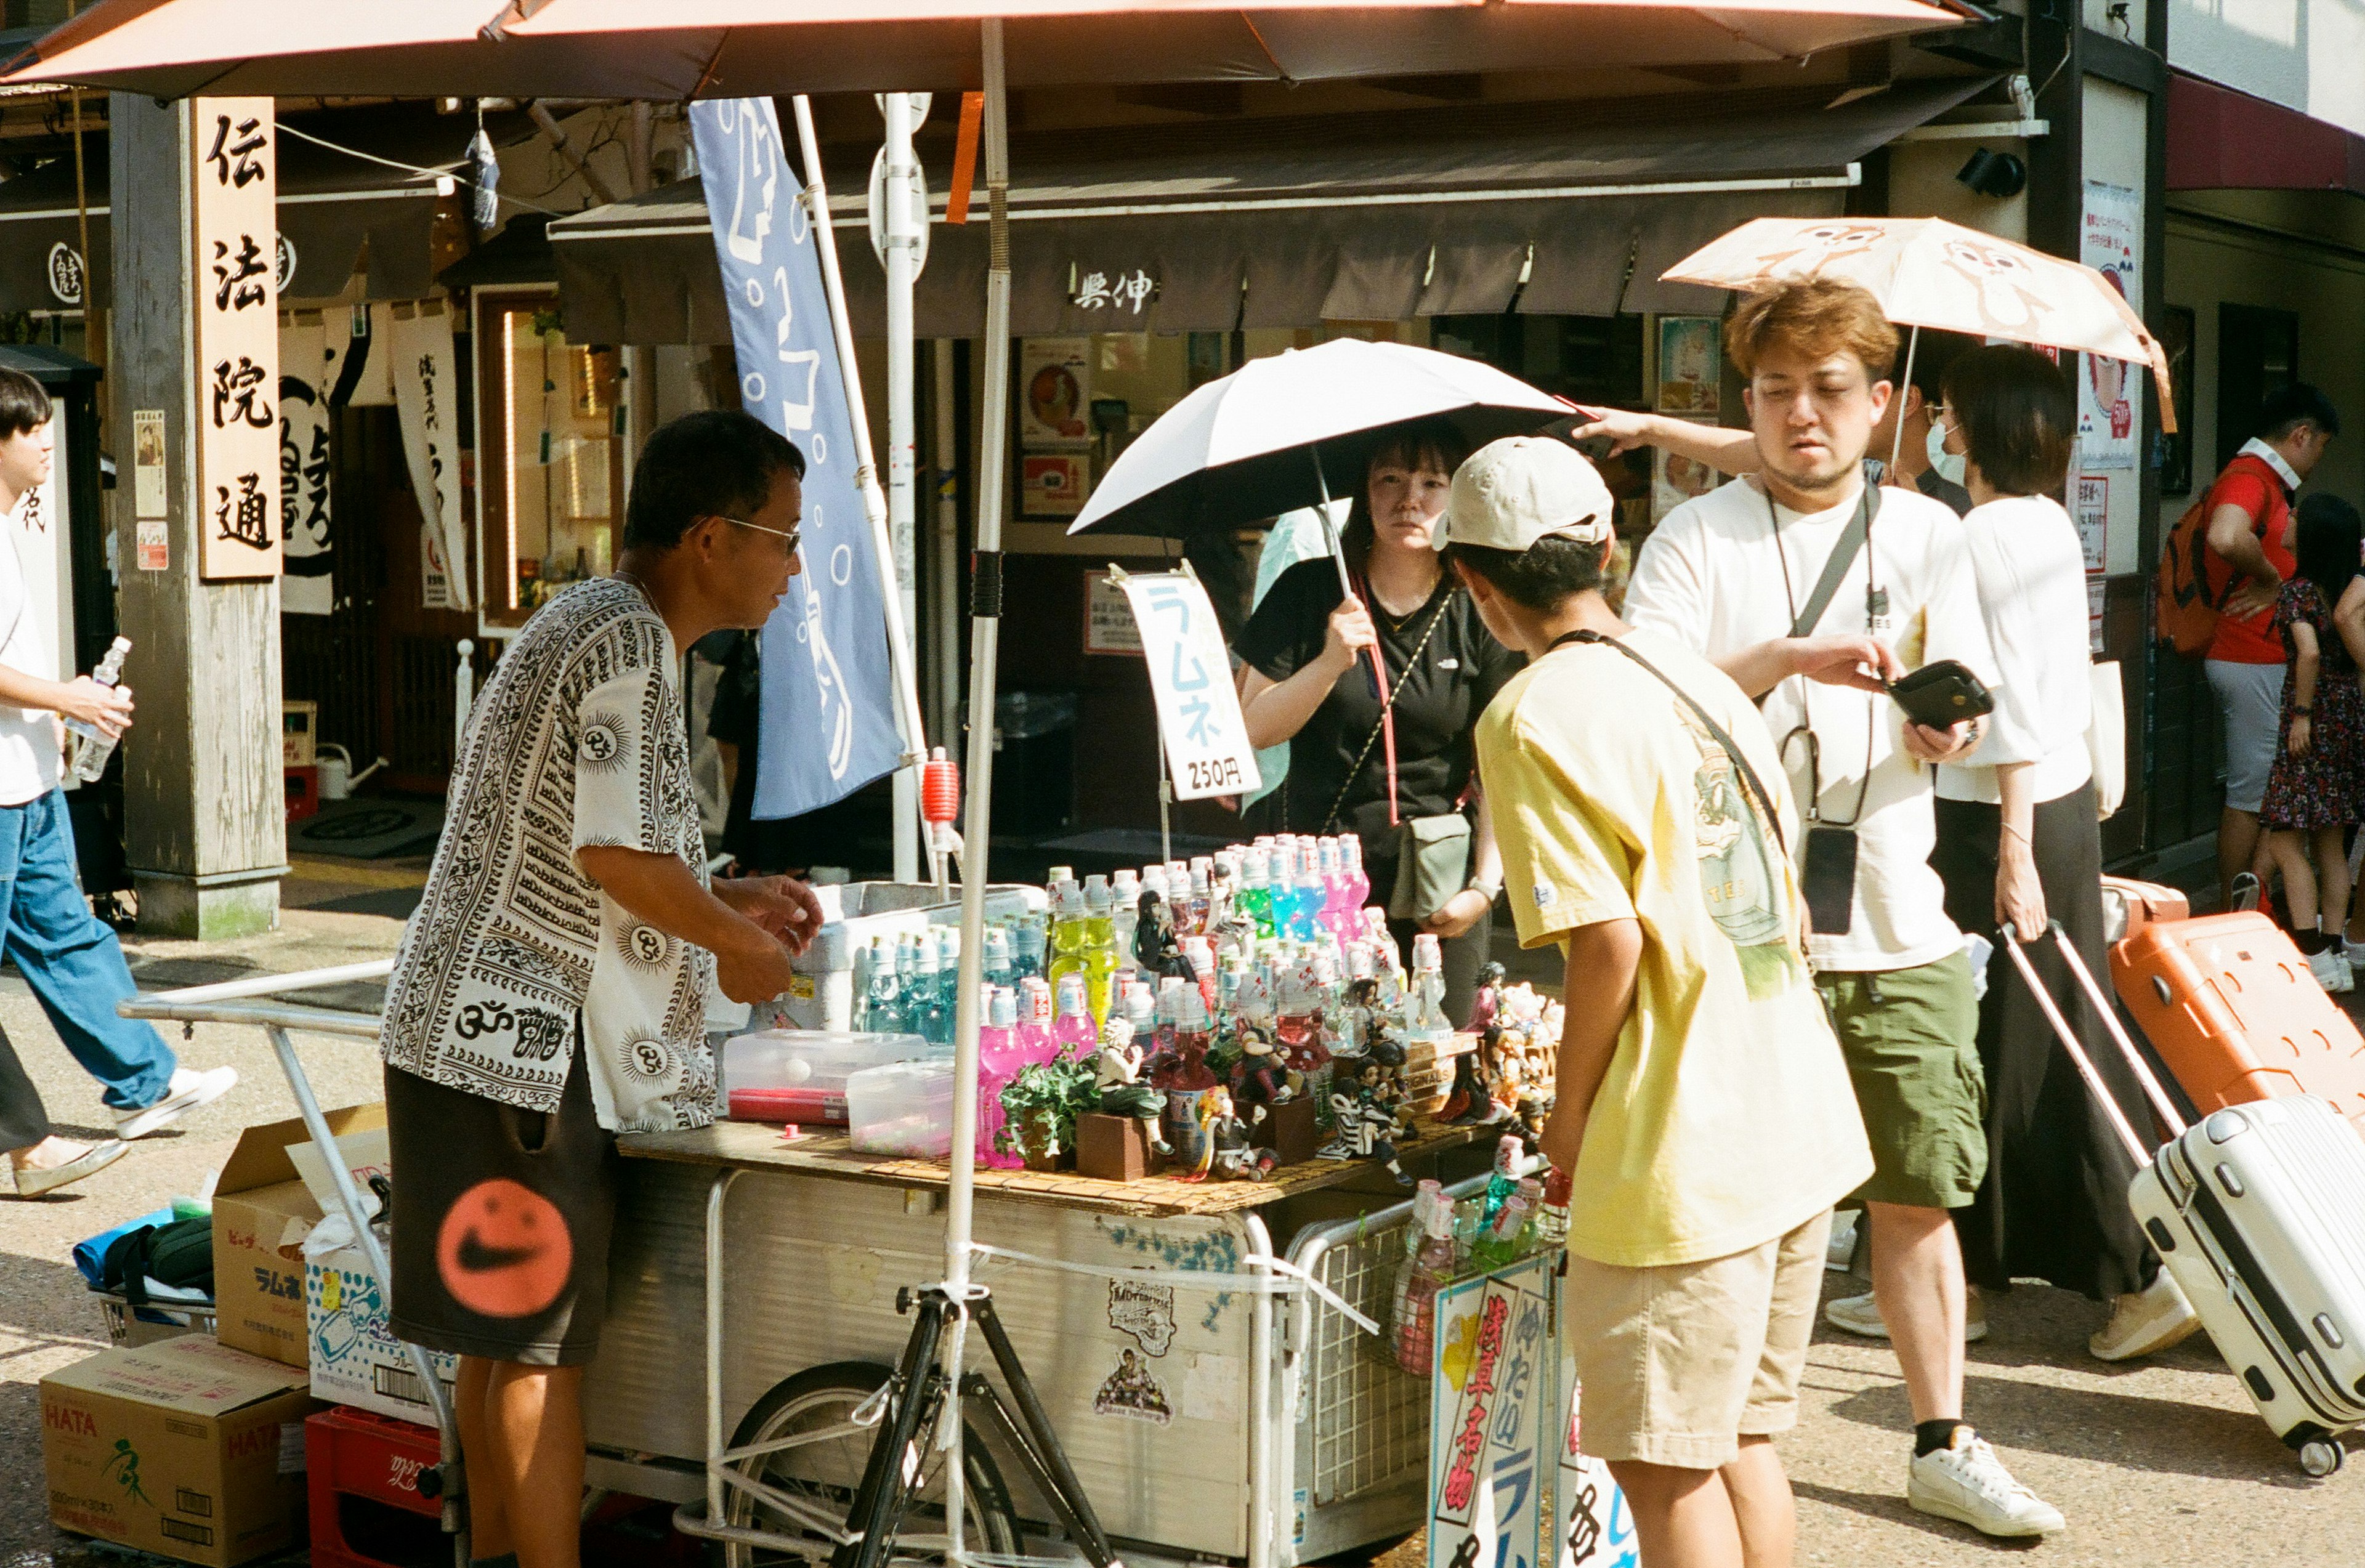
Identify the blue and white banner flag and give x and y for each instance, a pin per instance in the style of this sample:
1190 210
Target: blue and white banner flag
828 693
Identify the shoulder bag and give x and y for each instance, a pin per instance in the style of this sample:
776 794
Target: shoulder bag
1432 852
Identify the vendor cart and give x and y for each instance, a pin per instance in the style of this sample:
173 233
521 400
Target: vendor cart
1196 1347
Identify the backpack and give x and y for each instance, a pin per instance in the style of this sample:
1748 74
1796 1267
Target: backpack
2186 609
180 1255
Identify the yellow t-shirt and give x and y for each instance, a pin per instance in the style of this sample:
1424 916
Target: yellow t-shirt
1726 1117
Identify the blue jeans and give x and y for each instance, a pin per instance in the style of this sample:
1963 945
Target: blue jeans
71 959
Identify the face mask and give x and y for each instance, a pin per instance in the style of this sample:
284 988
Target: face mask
1952 467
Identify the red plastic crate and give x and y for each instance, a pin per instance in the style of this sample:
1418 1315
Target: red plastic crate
363 1475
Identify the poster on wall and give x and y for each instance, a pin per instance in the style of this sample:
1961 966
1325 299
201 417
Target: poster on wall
306 588
2092 494
1495 1362
426 401
1054 391
1676 479
236 292
1054 484
1691 365
2109 240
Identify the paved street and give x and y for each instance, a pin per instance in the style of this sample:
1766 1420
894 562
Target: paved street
2161 1464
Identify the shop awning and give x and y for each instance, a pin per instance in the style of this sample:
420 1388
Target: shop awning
331 204
2219 139
1290 222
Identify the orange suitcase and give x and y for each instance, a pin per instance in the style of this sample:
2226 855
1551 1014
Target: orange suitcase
2227 1002
2128 906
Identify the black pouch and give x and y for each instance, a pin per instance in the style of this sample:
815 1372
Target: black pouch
1827 878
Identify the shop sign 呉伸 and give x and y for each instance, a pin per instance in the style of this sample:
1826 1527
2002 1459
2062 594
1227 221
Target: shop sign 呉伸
1123 293
233 160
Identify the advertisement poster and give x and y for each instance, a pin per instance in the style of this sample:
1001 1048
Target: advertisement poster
148 475
2092 514
1495 1371
1676 479
2111 242
1053 484
1691 364
1191 679
1055 392
237 297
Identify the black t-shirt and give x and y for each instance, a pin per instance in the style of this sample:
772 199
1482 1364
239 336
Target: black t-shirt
1457 673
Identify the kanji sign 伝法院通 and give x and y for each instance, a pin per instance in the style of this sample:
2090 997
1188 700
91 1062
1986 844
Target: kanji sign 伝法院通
234 157
1190 677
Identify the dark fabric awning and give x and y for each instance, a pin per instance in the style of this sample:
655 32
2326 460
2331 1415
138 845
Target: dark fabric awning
2222 139
1287 223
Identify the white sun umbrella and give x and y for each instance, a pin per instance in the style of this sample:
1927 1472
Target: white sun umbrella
1282 433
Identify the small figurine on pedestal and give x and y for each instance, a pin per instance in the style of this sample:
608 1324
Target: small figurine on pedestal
1118 1079
1487 1003
1368 1121
1258 1078
1155 946
1224 1148
1470 1102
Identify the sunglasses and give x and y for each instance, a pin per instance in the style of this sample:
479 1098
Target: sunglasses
795 536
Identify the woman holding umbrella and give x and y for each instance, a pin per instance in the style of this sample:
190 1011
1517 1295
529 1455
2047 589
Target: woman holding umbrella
1309 678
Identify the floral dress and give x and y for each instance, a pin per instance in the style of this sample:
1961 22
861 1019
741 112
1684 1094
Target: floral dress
2324 786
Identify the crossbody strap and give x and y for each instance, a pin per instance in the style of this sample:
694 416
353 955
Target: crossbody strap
1330 818
1845 550
1756 786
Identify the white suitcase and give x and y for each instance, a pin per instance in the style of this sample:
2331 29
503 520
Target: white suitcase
2258 1214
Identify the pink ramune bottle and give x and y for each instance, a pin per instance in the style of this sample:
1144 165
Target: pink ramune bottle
1355 886
1036 1044
1432 1267
1072 1031
997 1063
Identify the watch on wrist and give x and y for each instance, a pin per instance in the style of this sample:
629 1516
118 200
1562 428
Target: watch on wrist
1480 885
2300 712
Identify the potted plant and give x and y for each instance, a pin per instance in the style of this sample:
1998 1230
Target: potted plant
1039 1108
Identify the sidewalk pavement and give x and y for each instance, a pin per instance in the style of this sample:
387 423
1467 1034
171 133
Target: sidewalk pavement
2161 1464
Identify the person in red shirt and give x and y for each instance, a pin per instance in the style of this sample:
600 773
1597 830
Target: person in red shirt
2250 548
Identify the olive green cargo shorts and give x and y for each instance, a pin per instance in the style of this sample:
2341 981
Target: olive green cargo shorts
1910 1037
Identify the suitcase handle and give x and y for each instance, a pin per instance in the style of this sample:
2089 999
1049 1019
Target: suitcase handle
2077 1049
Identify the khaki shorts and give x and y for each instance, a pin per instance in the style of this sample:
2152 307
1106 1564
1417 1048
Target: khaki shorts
1910 1039
1679 1363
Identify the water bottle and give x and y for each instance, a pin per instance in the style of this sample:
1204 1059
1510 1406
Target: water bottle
95 745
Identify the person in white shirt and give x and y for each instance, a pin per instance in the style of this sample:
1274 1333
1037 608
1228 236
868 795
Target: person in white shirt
1813 589
2018 846
71 959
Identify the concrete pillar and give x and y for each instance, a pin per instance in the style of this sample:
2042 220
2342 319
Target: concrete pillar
205 813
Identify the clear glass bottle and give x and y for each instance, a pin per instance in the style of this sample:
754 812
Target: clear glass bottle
1125 915
924 1002
1431 1270
1026 946
999 969
882 996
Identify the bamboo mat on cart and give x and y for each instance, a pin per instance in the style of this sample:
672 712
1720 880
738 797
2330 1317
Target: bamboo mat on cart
752 1146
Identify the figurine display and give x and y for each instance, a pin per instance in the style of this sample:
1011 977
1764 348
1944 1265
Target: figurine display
1258 1077
1225 1149
1118 1079
1488 1001
1369 1122
1155 948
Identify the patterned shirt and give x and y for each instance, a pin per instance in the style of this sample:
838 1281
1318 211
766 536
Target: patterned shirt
576 741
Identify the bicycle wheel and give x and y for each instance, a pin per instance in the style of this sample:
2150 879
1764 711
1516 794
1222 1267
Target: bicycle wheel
826 1472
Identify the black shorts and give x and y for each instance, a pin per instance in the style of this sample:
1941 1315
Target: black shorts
501 1219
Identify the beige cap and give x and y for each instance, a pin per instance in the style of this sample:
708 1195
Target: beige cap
1514 491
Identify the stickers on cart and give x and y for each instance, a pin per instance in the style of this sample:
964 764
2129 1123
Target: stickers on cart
1199 718
1494 1368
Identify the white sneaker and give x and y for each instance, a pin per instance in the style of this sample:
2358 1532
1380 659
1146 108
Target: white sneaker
2354 952
2146 1322
188 1090
1861 1315
2331 971
1967 1482
1841 1251
32 1181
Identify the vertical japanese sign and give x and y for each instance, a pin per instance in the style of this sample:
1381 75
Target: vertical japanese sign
828 699
1497 1362
304 391
234 147
1190 677
427 403
1591 1521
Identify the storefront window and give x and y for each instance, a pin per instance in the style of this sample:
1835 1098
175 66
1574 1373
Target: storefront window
550 467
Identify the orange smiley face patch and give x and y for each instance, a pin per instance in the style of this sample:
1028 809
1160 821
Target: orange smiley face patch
504 1249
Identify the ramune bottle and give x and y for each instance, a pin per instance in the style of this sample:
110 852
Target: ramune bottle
1432 1269
1125 915
882 1000
1026 946
1034 1009
924 1003
1072 1029
998 1061
1255 895
1098 948
999 969
1067 952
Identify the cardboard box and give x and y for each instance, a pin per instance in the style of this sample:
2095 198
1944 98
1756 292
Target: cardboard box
356 1358
261 1214
186 1449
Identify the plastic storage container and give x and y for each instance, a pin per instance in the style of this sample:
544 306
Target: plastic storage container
822 994
903 1108
798 1075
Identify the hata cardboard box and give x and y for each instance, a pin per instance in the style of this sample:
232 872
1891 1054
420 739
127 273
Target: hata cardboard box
185 1447
261 1214
355 1358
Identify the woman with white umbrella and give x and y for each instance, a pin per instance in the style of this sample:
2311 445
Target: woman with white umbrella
1307 680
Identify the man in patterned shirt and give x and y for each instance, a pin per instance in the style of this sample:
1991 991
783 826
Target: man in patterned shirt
551 989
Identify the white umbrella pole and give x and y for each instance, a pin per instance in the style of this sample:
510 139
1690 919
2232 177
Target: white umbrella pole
984 646
902 263
908 827
1897 435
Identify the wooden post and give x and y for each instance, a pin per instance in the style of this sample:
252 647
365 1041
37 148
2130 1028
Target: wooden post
205 813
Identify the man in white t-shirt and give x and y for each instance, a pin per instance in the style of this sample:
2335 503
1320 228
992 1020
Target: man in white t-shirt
1746 575
71 959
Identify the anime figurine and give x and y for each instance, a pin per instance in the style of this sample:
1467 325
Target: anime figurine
1155 946
1224 1147
1487 1003
1117 1076
1359 1020
1369 1122
1471 1101
1258 1078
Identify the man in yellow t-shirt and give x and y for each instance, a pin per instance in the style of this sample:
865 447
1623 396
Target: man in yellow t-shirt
1704 1111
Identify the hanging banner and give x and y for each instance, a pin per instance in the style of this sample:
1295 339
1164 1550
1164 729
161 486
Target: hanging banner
305 589
236 292
2109 241
426 399
1495 1363
355 339
828 703
1199 718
